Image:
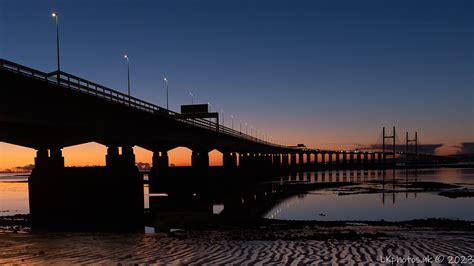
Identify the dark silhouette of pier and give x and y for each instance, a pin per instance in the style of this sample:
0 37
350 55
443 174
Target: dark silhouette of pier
50 111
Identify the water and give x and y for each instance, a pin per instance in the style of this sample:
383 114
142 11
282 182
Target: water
397 196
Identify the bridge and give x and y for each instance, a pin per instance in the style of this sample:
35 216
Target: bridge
50 111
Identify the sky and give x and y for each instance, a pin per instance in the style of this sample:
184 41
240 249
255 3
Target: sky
328 74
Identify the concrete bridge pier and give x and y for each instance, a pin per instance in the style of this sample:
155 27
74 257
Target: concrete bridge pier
323 159
229 160
200 159
351 158
243 159
330 160
308 159
372 159
276 160
268 160
359 159
72 198
344 159
366 159
380 158
293 159
315 163
337 159
159 171
284 160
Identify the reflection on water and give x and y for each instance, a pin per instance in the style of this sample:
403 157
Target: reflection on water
329 206
328 195
13 196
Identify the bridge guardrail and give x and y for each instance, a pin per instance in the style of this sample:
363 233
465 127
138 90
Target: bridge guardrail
82 85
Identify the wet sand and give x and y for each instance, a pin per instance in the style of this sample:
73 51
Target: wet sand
301 244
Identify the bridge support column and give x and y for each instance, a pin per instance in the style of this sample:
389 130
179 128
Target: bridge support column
293 159
351 158
344 159
284 161
49 159
229 160
372 159
330 159
337 158
276 160
200 159
323 159
158 173
112 196
380 158
268 160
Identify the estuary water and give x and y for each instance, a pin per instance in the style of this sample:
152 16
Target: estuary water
373 195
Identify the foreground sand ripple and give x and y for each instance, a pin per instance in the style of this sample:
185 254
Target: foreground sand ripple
216 248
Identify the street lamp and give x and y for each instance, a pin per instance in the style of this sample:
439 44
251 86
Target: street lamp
166 81
222 112
56 18
192 97
232 117
128 75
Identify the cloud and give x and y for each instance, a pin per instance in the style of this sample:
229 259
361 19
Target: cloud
465 148
28 168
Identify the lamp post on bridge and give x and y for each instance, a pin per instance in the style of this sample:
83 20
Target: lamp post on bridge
128 75
55 15
166 82
232 118
192 97
222 113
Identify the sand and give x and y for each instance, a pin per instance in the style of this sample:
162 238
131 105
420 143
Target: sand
350 244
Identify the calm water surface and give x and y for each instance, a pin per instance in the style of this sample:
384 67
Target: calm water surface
374 197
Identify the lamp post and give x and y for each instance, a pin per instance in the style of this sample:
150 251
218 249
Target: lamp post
223 121
192 97
56 18
166 82
232 118
128 75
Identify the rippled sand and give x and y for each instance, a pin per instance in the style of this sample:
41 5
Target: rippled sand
218 248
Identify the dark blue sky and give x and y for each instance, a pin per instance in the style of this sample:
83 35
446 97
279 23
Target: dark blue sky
318 72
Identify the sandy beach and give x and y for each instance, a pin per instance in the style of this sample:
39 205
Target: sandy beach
272 244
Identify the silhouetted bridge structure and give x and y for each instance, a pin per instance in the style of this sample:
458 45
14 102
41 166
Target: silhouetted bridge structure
50 111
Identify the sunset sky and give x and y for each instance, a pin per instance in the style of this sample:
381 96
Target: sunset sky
325 73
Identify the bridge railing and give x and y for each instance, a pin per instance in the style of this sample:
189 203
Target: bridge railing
82 85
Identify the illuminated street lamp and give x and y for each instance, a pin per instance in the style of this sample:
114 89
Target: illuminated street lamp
128 74
166 82
192 97
232 117
55 15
